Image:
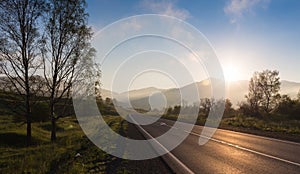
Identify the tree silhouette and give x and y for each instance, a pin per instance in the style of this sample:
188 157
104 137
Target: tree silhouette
263 91
65 44
270 85
19 38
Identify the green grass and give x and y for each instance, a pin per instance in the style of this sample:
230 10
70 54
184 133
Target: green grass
267 124
264 124
58 157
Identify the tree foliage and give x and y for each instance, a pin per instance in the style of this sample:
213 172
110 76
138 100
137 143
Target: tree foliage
254 96
263 91
65 44
228 108
270 85
288 107
205 105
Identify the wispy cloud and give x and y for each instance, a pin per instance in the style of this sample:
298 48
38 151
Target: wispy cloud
165 7
236 9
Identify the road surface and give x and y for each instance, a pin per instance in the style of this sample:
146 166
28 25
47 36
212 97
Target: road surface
232 152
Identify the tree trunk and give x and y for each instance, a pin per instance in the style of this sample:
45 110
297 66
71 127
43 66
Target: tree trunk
267 106
28 118
27 106
53 120
53 131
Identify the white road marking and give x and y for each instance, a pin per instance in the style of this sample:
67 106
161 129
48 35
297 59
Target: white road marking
242 148
186 169
257 136
250 135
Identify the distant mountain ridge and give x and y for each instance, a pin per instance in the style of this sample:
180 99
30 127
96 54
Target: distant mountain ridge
235 91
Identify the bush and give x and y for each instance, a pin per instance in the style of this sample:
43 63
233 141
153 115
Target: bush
288 108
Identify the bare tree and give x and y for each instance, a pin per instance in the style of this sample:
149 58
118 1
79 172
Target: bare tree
66 43
19 38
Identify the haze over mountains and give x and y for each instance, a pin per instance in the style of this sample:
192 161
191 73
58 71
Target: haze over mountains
235 91
159 98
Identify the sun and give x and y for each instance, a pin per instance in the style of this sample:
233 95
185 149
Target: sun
231 72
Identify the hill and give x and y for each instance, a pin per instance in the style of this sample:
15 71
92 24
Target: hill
235 91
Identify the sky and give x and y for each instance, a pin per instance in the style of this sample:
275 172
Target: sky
247 35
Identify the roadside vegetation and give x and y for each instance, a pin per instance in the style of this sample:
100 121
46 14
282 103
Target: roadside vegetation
71 153
265 110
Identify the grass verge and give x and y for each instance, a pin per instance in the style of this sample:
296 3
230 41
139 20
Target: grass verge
58 157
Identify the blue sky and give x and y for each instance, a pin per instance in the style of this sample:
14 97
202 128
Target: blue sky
247 35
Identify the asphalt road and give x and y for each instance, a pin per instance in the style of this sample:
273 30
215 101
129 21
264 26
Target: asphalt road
232 152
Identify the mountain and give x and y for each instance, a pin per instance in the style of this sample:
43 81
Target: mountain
160 98
107 94
290 88
236 91
139 93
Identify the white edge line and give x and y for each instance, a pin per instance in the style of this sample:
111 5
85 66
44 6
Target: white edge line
243 148
176 160
259 136
250 135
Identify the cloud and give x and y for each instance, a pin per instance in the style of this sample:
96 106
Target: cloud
165 7
236 9
131 24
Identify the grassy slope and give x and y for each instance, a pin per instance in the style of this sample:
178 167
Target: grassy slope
59 157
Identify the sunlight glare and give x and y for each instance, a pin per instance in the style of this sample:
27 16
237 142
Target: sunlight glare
230 72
